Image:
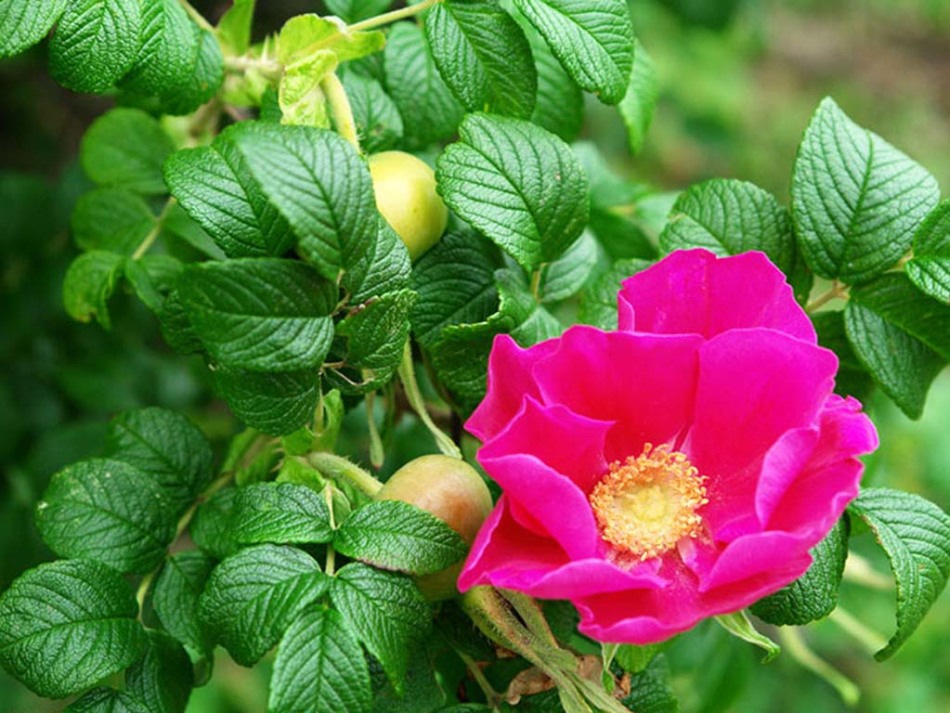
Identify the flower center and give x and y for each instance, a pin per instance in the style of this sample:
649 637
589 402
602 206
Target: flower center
647 504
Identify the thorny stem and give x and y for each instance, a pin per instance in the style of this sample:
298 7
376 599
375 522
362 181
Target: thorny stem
837 290
340 109
531 614
390 17
336 466
156 230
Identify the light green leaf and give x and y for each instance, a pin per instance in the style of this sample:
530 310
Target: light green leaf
738 625
300 96
518 184
567 275
126 148
111 219
275 403
26 22
89 283
637 106
169 43
930 267
65 625
305 36
234 28
856 200
281 513
175 597
353 11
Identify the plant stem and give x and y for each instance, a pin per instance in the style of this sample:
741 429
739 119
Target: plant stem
156 230
271 69
857 630
337 467
531 614
340 109
389 17
407 375
536 285
835 291
144 586
492 696
795 645
858 570
377 455
196 16
330 566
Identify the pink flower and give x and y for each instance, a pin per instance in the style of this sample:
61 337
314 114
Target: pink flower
675 469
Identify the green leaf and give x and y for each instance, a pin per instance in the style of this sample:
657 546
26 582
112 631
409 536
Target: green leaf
385 267
275 403
856 200
930 267
214 186
399 536
852 378
162 680
352 11
126 148
304 36
518 184
378 123
254 595
376 333
89 283
95 43
301 97
26 22
65 625
651 690
320 185
260 314
901 336
638 104
203 79
108 511
593 39
483 56
915 535
107 700
234 28
175 597
385 611
599 298
559 105
111 219
211 526
169 46
739 625
430 112
280 513
320 668
165 446
567 275
814 595
153 277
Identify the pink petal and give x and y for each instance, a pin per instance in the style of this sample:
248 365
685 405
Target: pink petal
763 562
694 292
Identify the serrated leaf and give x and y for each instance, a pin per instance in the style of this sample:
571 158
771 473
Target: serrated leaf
353 11
301 97
915 535
320 668
163 678
814 595
126 148
559 105
320 185
638 104
483 56
930 267
430 112
399 536
26 22
260 314
107 700
852 378
95 43
280 513
567 275
175 597
385 611
65 625
651 690
234 28
111 219
89 283
275 403
203 79
165 446
211 526
253 596
593 39
384 268
168 47
378 122
856 200
518 184
376 333
108 511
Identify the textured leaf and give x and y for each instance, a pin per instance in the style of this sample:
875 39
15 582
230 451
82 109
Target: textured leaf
376 333
599 298
280 513
163 678
518 184
930 267
300 95
593 39
856 200
378 122
108 511
852 378
126 148
211 526
175 597
260 314
89 283
320 668
399 536
638 104
254 595
915 535
95 43
203 79
385 267
65 625
111 219
26 22
107 700
386 613
352 11
568 274
275 403
169 45
651 690
559 106
483 56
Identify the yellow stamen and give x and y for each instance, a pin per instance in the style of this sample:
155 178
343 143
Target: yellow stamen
647 504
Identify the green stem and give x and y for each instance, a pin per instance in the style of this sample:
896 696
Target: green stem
536 285
156 230
795 645
144 586
531 614
269 68
407 375
492 697
330 566
340 109
857 630
377 454
389 17
196 16
338 467
834 292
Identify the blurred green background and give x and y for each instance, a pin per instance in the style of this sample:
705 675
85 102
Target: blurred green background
739 81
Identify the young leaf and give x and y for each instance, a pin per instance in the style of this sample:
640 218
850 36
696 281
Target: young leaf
260 314
300 95
483 56
169 44
636 108
26 22
814 595
930 267
108 511
95 43
275 403
385 611
915 535
377 118
856 200
89 283
559 106
254 595
211 526
320 668
65 625
399 536
280 513
518 184
111 219
304 36
126 148
739 625
163 678
593 39
234 28
166 446
352 11
175 597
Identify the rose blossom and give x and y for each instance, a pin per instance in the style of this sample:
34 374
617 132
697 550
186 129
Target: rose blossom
677 468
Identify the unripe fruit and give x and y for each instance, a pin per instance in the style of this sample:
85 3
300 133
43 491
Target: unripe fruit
407 199
455 493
